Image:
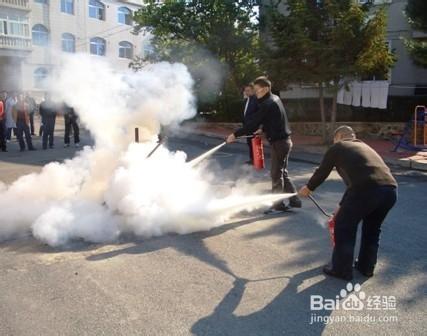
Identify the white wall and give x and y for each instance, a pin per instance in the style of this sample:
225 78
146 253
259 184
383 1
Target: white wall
83 28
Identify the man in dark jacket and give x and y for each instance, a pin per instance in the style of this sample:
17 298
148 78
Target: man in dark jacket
371 193
48 112
250 107
272 116
70 120
32 110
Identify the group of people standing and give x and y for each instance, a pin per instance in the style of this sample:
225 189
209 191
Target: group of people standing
17 112
371 189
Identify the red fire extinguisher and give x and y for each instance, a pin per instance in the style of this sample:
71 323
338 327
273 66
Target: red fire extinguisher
258 152
331 227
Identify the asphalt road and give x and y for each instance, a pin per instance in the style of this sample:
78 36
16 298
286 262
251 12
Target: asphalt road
252 276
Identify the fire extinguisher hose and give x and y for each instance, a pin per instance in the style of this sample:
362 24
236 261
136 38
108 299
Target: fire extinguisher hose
319 207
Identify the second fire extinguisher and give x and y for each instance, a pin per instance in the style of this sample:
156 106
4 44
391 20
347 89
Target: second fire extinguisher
258 152
331 227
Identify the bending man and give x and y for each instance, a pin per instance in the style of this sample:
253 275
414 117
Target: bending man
371 193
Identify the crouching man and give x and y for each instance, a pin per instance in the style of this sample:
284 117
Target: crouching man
371 193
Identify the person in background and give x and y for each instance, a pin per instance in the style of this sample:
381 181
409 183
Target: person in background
70 120
370 195
48 111
251 106
11 100
33 107
272 116
2 122
21 118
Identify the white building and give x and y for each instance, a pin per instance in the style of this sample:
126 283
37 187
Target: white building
34 32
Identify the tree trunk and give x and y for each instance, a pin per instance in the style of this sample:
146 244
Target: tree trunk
322 112
333 112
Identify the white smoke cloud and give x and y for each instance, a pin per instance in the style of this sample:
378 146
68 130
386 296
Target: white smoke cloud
113 188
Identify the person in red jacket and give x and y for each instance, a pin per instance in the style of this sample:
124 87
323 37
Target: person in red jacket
2 123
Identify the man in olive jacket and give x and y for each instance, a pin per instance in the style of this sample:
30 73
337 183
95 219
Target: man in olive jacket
370 195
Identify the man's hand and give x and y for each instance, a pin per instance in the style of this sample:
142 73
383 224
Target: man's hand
231 138
258 132
304 192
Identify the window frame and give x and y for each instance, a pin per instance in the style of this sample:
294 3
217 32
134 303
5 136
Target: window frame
99 8
37 36
66 38
39 75
124 46
64 7
98 42
126 14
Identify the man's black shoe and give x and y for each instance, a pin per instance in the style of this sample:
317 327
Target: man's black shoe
295 202
32 149
249 162
329 271
368 274
277 208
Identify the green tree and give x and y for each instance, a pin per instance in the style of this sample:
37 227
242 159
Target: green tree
417 15
325 43
212 37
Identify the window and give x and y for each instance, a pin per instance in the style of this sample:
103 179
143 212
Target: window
40 75
97 46
40 35
67 6
124 16
14 25
125 49
148 50
96 10
41 1
68 43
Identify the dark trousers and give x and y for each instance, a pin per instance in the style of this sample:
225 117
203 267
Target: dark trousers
32 123
22 130
281 183
71 123
9 133
3 135
48 130
370 206
251 153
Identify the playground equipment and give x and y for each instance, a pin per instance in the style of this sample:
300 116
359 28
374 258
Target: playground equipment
414 135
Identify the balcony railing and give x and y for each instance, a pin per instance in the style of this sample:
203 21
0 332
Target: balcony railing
18 4
15 43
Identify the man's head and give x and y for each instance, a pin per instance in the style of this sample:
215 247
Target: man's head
21 97
248 91
262 86
344 133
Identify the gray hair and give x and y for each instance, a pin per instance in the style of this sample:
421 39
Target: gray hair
344 132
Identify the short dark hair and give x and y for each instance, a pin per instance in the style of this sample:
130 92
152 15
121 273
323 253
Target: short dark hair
251 85
263 82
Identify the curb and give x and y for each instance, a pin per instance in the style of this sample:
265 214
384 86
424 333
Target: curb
315 158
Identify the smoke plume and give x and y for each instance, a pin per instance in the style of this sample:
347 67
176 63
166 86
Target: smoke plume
112 188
